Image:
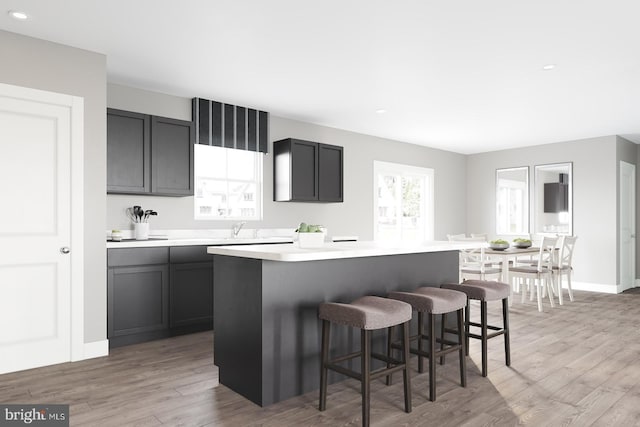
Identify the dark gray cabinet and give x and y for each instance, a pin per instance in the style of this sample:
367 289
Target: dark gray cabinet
158 292
171 157
137 295
330 173
149 154
306 171
191 289
128 152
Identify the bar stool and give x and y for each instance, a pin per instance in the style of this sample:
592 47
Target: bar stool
433 301
484 291
367 313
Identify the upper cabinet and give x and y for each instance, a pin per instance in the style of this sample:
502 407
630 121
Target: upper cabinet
306 171
128 152
148 154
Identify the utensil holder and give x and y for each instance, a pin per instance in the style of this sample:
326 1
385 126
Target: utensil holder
141 230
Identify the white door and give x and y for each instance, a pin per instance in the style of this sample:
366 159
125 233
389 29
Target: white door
627 233
36 130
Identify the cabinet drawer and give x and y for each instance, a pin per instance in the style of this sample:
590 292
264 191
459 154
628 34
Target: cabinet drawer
137 256
189 254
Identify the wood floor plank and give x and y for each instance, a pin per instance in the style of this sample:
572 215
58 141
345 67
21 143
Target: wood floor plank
577 365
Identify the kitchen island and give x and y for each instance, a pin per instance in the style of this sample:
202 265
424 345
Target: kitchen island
267 332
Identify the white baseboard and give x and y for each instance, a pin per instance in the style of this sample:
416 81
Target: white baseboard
96 349
594 287
637 283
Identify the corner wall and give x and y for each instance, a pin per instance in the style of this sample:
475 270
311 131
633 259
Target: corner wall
40 64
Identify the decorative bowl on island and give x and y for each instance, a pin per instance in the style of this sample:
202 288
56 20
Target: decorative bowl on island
499 245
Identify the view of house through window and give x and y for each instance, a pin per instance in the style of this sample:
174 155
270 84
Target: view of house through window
403 202
228 183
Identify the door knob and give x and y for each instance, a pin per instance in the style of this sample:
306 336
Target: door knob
64 250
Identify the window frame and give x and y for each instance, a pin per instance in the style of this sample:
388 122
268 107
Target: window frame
258 182
428 204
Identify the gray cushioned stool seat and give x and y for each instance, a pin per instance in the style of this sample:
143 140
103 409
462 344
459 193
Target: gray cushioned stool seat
367 313
483 290
433 300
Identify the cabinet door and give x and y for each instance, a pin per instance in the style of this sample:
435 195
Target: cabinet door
171 156
138 300
330 173
304 170
191 294
128 152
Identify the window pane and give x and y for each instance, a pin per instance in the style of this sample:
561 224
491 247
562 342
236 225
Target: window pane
227 183
210 161
403 193
241 164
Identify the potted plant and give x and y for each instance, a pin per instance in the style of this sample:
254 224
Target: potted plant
310 236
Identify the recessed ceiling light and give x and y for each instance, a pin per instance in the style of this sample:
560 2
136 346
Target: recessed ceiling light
381 111
549 67
16 14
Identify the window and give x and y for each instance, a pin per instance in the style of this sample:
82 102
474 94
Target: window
228 183
512 201
403 202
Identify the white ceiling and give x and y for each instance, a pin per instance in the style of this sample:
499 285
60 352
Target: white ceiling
464 76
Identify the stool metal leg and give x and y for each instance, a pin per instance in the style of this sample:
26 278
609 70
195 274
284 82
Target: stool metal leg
432 360
483 323
420 334
462 352
326 326
507 345
365 346
406 374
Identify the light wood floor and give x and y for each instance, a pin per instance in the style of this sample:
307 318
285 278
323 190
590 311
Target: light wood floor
578 364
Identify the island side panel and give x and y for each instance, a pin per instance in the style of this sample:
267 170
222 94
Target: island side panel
237 339
292 292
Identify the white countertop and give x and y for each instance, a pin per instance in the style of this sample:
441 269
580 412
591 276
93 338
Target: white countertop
337 250
203 241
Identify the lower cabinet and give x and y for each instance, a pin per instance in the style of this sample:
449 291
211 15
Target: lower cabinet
138 304
191 296
158 292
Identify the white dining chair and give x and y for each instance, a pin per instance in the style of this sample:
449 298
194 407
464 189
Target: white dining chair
539 275
562 265
474 265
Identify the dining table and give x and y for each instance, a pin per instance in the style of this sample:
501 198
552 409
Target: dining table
505 256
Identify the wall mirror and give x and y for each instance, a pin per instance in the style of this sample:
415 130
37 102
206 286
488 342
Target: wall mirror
512 201
553 211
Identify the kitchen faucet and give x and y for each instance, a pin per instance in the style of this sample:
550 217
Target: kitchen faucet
237 227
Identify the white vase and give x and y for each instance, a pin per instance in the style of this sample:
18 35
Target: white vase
141 230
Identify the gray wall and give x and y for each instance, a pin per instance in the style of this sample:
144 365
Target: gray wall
354 216
48 66
594 198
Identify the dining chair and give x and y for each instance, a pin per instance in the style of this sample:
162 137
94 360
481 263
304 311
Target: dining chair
475 265
562 265
541 273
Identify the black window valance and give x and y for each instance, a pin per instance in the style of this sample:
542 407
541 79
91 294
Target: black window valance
230 126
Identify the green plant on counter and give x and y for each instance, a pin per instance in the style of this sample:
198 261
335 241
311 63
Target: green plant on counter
499 242
308 228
